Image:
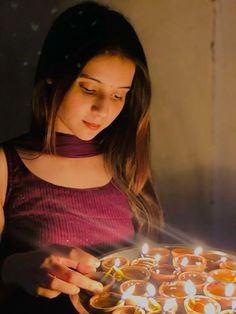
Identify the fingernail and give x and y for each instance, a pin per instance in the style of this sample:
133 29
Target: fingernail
76 290
97 263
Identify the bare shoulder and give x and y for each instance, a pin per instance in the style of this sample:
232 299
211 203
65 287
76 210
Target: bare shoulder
3 185
3 176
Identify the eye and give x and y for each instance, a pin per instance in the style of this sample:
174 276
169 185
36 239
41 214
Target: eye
117 97
87 90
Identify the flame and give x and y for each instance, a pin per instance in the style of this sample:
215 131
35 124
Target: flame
117 262
151 290
184 261
234 305
169 304
209 309
141 302
229 290
145 249
128 292
189 287
198 250
157 257
223 259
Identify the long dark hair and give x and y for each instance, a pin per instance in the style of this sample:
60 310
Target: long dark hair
77 35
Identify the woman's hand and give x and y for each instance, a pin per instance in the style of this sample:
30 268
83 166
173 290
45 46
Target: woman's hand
57 269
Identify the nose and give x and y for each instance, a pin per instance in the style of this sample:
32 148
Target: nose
100 106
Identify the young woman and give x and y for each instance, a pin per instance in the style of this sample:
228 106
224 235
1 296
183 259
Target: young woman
79 184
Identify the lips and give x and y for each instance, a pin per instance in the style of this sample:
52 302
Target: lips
92 126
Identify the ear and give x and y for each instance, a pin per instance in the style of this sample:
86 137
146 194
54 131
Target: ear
49 81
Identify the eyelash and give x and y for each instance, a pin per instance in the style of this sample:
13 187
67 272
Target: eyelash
93 91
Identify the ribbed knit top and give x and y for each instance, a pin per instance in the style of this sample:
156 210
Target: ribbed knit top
39 213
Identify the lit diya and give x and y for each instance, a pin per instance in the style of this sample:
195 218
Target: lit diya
190 262
106 302
199 279
111 263
232 310
228 264
159 254
200 304
178 290
214 259
223 293
141 294
223 275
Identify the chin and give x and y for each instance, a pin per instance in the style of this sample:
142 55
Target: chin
85 137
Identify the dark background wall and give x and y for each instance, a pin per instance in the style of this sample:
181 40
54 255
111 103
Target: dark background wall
191 48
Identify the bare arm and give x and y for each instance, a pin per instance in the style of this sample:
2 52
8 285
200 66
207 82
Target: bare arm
49 272
3 187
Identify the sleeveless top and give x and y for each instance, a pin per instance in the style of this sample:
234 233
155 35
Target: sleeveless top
39 213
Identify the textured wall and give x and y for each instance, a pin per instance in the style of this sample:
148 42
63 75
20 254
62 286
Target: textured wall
191 48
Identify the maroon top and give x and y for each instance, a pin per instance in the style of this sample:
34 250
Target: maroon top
39 213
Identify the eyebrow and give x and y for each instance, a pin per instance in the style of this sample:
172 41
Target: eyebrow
96 80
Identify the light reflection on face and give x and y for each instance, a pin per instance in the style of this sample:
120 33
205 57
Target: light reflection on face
96 97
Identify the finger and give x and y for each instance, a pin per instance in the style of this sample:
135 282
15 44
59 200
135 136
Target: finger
86 262
75 278
65 287
47 293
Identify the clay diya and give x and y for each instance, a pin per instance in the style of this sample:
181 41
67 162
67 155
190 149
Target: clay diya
181 251
160 254
223 293
178 290
163 272
199 279
110 263
135 273
144 262
105 302
200 304
223 275
228 264
189 262
214 259
128 309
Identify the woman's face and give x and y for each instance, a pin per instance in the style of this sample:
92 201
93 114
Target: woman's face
96 97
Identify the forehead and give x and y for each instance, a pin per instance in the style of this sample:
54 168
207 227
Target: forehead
112 70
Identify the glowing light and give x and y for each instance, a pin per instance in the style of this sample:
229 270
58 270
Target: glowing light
169 304
145 249
151 290
223 259
157 258
128 293
184 261
141 302
229 290
189 287
209 309
198 250
117 262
